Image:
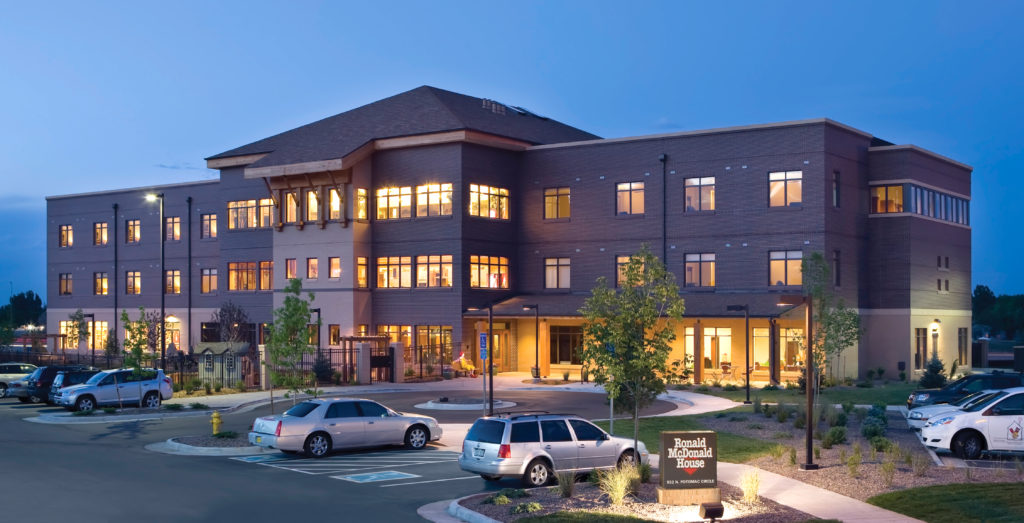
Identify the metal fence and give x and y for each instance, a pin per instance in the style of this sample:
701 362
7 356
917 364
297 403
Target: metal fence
427 360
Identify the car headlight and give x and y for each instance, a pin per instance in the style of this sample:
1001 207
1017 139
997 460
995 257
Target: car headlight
942 421
922 397
915 415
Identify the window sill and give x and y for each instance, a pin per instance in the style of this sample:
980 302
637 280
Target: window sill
778 208
699 289
556 220
629 216
695 212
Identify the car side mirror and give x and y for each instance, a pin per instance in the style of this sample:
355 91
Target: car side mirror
604 437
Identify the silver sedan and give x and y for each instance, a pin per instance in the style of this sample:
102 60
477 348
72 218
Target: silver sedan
319 426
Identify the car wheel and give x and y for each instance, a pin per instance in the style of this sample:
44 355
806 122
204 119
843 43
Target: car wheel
3 390
151 401
34 398
537 474
627 458
85 403
416 437
318 444
488 477
968 446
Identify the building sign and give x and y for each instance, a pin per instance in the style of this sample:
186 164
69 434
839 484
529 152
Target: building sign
689 459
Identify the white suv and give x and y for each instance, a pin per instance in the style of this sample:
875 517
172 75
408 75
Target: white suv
991 426
117 387
12 372
535 446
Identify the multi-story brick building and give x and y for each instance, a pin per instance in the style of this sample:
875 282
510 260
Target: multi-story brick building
409 215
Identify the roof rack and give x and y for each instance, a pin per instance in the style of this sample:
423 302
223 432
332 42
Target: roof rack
520 413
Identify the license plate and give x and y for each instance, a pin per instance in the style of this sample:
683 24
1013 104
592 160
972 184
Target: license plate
478 453
259 439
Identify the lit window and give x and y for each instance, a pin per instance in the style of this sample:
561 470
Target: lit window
785 188
266 275
67 236
394 272
434 199
397 333
172 228
172 282
291 268
434 336
886 199
65 284
434 271
68 338
133 282
362 329
566 343
488 202
700 194
99 233
312 268
209 281
488 272
394 203
247 214
209 226
361 204
242 276
784 268
334 268
97 339
291 208
362 273
556 273
312 205
99 283
556 203
629 198
620 269
333 334
132 231
700 270
334 211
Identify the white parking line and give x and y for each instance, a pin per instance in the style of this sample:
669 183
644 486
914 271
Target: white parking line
429 481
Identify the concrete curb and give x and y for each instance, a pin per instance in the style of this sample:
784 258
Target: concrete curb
69 419
436 405
437 512
464 514
180 449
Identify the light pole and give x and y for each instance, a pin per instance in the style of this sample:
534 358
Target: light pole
536 340
935 338
151 197
489 397
807 302
746 341
92 335
317 311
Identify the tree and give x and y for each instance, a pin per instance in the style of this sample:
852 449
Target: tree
23 309
78 325
6 334
136 340
289 338
232 322
627 331
933 377
837 326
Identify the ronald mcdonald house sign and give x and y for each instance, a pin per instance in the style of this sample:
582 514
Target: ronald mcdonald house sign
689 463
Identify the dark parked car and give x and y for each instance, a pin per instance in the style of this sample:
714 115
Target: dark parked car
67 378
37 388
966 385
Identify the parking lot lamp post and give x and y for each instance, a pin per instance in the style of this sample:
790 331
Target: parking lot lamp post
92 335
807 302
746 341
536 339
151 197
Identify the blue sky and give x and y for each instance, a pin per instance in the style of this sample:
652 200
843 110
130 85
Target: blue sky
98 96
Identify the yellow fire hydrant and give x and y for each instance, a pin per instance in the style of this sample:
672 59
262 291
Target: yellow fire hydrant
215 421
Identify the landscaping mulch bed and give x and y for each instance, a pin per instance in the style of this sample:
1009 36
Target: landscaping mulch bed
835 475
588 498
210 441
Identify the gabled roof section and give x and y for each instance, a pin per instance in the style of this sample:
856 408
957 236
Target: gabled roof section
424 110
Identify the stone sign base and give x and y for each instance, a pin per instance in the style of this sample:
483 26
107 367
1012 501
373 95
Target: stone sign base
689 496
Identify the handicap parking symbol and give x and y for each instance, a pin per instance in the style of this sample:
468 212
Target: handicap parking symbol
261 459
370 477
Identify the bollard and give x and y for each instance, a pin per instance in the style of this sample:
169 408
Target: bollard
215 421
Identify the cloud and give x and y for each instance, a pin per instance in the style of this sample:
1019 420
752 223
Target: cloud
183 166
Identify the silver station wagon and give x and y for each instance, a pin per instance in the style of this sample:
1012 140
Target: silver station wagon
319 426
535 446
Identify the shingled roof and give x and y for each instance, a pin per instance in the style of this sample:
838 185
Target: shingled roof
423 110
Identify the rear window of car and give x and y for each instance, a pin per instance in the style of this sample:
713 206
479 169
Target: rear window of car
486 431
525 432
6 369
300 410
372 410
342 409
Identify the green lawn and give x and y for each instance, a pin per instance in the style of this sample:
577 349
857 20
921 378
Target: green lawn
731 447
895 393
989 502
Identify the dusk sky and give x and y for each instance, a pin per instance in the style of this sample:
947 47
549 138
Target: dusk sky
105 95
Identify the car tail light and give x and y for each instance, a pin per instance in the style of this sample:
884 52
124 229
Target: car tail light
167 380
505 451
278 431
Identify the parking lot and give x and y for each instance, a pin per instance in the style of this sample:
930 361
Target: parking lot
379 468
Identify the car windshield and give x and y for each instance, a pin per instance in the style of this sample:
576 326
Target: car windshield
96 378
956 383
35 374
58 380
301 409
975 407
970 398
486 431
